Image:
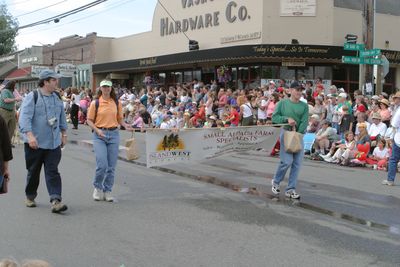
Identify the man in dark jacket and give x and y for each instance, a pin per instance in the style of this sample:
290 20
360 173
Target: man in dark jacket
6 152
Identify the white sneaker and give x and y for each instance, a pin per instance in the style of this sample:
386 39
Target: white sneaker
329 159
98 194
386 182
108 197
325 156
292 194
275 188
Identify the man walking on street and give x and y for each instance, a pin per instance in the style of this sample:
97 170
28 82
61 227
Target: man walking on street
295 113
43 126
395 157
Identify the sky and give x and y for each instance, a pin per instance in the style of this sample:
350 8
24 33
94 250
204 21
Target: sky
113 18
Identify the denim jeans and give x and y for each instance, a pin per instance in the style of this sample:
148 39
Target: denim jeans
287 160
106 150
34 159
393 161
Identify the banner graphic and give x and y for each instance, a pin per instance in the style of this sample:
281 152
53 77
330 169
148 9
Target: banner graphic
164 147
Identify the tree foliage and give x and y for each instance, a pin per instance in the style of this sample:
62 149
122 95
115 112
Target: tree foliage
8 31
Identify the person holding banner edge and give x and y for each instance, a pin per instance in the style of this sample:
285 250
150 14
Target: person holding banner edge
294 113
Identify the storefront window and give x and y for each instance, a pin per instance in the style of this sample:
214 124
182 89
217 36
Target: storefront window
243 77
197 75
255 77
306 73
161 78
270 72
339 73
177 77
287 73
187 76
324 72
354 73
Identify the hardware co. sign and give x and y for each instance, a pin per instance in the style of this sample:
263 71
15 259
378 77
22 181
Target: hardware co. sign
232 13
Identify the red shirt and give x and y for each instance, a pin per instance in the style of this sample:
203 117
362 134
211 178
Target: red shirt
235 115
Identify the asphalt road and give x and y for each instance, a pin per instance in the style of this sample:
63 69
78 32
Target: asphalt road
164 219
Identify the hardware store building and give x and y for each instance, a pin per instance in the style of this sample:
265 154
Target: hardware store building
256 40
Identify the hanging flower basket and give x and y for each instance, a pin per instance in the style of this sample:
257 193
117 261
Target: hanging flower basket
224 74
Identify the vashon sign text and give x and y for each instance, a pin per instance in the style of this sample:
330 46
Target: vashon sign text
233 13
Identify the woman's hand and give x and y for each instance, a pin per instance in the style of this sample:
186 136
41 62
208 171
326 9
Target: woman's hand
100 133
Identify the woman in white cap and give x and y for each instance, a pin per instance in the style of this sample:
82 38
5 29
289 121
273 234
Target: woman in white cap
104 117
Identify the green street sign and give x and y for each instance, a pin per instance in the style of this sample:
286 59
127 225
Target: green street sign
373 61
352 60
370 53
353 47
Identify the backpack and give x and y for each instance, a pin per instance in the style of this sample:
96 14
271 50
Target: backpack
97 103
36 94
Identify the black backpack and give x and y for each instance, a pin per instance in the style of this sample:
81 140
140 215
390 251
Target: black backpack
36 95
97 103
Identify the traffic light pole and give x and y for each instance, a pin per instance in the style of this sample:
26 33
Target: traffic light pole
366 71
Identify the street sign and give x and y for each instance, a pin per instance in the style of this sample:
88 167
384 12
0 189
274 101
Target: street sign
353 47
370 53
373 61
352 60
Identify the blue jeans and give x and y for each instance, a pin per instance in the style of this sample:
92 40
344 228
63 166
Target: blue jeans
393 161
288 160
49 158
106 150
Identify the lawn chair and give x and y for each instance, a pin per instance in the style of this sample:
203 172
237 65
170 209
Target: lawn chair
309 139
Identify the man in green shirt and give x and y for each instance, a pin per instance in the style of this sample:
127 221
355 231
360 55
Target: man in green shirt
7 107
293 112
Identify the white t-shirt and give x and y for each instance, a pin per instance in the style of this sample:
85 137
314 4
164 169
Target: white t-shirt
262 114
375 130
247 111
396 125
384 153
165 125
77 99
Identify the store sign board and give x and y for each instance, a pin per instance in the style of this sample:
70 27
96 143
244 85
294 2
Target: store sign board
66 69
37 69
293 63
231 13
298 8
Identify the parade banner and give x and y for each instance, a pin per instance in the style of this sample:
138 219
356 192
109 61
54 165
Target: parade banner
164 147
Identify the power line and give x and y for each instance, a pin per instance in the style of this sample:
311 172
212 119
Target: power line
63 15
34 11
169 14
16 3
117 4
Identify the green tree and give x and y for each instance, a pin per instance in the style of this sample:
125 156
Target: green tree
8 31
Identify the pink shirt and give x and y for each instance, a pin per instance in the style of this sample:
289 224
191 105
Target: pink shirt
270 109
138 122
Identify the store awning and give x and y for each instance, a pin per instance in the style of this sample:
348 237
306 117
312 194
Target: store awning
228 55
20 74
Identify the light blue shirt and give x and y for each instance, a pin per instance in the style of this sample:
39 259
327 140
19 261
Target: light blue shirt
35 118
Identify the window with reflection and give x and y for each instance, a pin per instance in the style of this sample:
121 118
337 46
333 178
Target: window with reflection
270 72
287 73
243 77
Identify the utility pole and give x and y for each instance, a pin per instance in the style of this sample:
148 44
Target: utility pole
366 71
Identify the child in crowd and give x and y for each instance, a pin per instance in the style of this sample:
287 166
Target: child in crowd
380 156
345 121
344 149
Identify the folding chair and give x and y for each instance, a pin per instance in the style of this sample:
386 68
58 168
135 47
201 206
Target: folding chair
308 139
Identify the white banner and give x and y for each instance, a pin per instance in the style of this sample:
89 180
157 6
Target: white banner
298 8
167 146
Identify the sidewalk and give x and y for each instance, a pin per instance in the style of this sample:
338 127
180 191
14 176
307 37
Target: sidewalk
353 194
